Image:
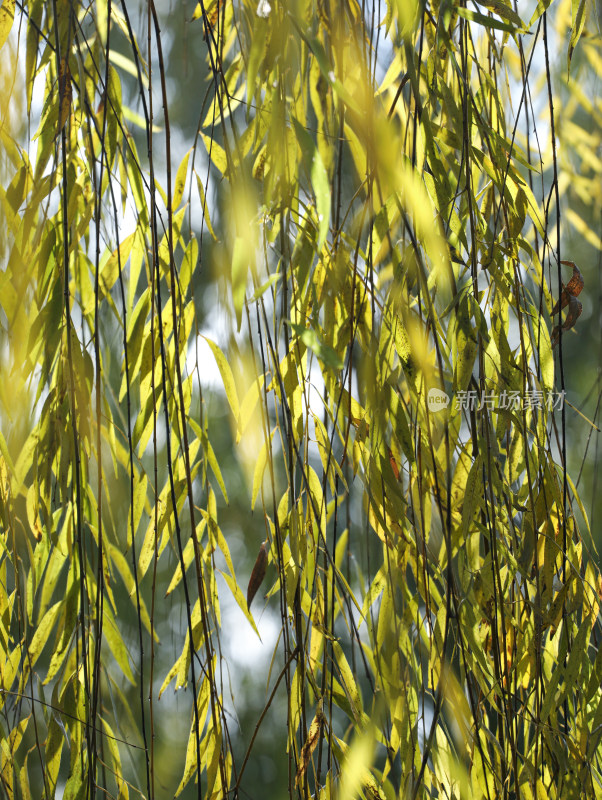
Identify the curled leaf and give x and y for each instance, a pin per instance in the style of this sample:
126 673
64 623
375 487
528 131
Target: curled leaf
258 573
575 285
313 736
575 309
572 288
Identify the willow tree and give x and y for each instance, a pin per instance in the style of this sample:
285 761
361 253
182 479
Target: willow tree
374 193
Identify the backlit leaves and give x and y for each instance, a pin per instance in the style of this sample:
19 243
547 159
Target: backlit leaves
7 17
380 266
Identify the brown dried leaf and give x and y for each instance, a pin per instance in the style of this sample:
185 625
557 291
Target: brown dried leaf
575 309
572 288
65 92
393 463
258 573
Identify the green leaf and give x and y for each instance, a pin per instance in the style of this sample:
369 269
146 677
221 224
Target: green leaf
135 335
209 455
248 406
116 643
111 744
318 505
190 765
6 454
227 378
466 346
578 23
488 22
74 786
42 632
259 46
542 7
140 488
551 699
324 352
319 53
349 683
578 656
319 179
125 570
401 427
211 748
116 261
503 9
261 290
546 355
240 271
187 557
358 153
258 471
55 739
189 262
240 599
472 494
376 587
24 462
384 226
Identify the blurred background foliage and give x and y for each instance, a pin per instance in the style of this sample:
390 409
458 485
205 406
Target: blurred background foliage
343 207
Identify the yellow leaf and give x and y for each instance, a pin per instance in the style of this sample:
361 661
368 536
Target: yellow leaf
216 153
247 406
258 472
191 749
116 261
240 600
313 737
180 184
206 216
349 684
7 17
227 378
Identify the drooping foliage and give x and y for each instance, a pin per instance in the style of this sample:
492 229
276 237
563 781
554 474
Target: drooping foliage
364 238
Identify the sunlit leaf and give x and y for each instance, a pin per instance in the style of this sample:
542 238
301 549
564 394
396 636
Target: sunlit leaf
324 352
578 23
7 17
319 179
180 182
227 378
203 200
216 153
